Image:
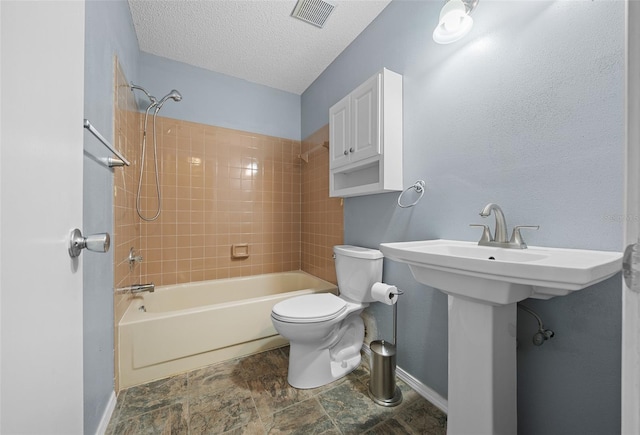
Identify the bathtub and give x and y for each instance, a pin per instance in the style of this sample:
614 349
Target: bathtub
182 327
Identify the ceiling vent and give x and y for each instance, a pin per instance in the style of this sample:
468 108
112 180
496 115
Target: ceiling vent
314 12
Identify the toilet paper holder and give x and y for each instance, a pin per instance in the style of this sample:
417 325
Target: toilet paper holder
382 385
395 317
398 292
385 293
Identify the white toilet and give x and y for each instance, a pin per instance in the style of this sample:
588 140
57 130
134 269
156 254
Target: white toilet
326 331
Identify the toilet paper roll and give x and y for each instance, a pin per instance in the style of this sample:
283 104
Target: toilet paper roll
385 293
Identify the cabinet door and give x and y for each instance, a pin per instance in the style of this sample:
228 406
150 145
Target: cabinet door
339 133
365 115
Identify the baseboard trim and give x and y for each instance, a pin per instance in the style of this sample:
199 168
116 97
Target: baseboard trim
106 416
426 392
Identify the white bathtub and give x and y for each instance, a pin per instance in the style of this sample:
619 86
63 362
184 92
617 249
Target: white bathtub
186 326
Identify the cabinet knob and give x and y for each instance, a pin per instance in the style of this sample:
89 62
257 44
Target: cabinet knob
350 150
346 153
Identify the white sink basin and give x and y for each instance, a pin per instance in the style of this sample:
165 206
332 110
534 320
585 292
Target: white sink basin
499 276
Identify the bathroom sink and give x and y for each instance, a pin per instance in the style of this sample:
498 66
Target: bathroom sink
484 283
499 276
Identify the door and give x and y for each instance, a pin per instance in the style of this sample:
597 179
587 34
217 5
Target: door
41 95
631 286
365 113
340 133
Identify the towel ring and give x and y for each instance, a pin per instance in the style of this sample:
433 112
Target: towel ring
418 186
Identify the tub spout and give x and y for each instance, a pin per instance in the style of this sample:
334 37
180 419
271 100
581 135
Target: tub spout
137 288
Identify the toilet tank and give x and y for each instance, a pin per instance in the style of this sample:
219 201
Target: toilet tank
357 269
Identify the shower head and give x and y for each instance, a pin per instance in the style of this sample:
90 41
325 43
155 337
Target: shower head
174 95
177 96
151 98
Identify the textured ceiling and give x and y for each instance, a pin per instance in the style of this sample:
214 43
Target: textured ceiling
256 40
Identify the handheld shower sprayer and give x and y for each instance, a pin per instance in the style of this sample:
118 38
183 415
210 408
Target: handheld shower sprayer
176 96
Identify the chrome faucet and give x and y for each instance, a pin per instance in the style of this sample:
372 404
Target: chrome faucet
499 239
500 233
137 288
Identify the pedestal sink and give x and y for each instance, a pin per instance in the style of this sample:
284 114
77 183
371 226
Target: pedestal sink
484 284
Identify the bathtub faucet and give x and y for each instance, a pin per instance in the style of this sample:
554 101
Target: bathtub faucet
137 288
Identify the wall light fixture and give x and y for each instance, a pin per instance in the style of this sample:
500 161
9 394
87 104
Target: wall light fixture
455 21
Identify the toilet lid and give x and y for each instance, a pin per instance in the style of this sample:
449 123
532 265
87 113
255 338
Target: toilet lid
318 307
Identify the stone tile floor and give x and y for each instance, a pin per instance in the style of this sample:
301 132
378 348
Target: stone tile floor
250 395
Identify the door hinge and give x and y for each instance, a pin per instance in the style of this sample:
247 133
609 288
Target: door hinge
631 267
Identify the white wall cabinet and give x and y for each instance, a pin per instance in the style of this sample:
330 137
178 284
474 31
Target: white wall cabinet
366 138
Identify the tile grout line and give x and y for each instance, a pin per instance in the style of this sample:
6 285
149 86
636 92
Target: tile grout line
335 424
253 400
255 407
313 397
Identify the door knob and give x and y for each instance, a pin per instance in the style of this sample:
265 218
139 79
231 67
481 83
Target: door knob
95 242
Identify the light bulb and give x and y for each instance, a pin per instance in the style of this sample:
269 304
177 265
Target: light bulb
454 23
453 20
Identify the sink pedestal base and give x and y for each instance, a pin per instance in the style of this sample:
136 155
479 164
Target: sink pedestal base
482 368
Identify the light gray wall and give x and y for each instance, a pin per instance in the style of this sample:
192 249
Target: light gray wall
527 112
108 32
216 99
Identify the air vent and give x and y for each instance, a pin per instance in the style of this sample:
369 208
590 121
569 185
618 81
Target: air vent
313 12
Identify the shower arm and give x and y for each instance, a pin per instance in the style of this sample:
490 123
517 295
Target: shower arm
151 98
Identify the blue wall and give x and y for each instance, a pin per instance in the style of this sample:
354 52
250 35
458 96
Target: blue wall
108 32
526 111
216 99
208 97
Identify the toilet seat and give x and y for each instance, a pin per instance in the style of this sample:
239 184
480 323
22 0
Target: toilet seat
312 308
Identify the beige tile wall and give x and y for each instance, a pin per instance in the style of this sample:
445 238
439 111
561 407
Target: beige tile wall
322 216
220 187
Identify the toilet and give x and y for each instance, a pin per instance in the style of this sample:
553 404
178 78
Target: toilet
326 331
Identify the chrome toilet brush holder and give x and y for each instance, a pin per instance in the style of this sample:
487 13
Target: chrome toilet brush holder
382 384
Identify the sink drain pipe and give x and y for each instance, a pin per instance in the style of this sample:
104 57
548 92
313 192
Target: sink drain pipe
382 385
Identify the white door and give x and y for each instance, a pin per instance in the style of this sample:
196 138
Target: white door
365 115
41 135
631 287
339 133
